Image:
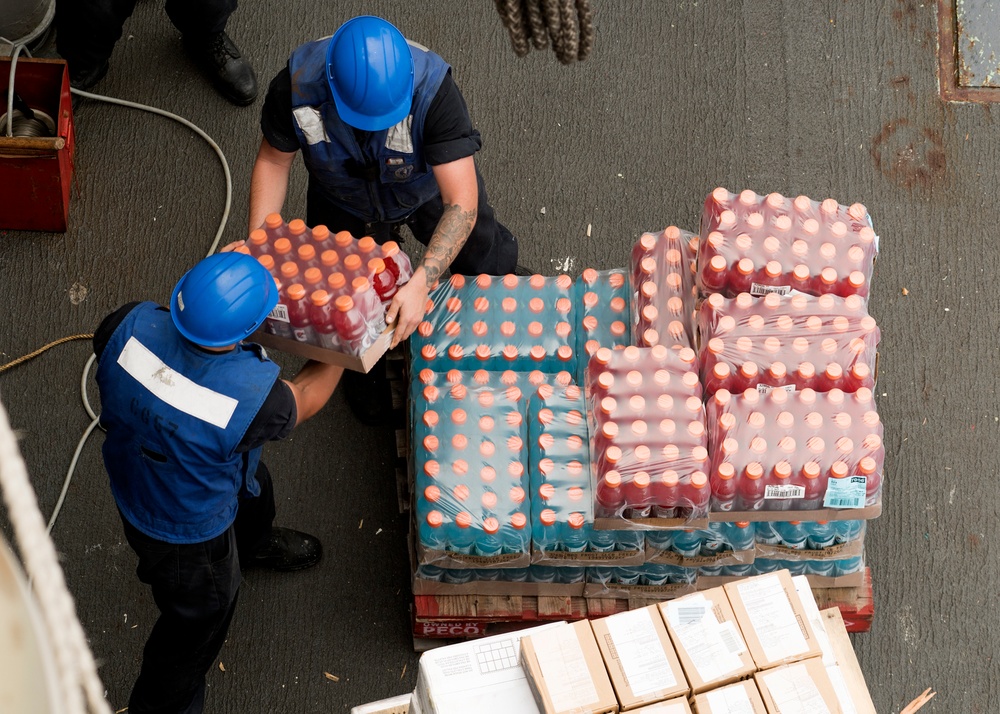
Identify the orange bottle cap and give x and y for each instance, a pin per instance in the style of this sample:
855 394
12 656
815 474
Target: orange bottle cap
547 517
612 479
518 520
376 265
329 258
242 249
297 227
726 471
488 474
699 479
516 494
754 470
366 244
463 519
432 468
435 519
360 285
345 303
320 297
267 261
491 525
296 291
336 281
306 252
258 237
343 239
352 262
313 276
546 490
273 220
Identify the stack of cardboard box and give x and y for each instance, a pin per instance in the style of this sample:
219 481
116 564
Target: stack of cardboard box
755 646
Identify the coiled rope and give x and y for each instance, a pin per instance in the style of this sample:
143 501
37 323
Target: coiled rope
32 355
567 24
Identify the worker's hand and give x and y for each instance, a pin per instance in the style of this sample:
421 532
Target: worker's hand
407 307
232 246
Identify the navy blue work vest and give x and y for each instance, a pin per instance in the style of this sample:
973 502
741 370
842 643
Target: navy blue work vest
174 416
386 178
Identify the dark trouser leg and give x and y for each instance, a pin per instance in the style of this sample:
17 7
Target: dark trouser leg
255 516
200 17
87 30
490 249
195 586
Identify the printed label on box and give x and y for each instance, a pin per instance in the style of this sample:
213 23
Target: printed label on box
730 700
640 652
773 619
564 668
794 691
713 647
846 492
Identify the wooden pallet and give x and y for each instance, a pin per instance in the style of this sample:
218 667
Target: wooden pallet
464 616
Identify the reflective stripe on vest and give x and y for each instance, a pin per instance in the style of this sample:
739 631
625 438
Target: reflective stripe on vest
174 416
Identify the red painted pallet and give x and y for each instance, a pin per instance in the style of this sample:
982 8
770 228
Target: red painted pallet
467 616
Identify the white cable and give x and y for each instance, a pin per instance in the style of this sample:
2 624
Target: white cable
10 86
69 473
83 387
197 130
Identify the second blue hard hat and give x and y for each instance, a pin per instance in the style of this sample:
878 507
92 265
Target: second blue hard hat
223 299
370 71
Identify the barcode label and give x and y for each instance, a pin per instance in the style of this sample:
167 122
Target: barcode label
765 388
732 641
279 313
691 615
757 289
776 492
846 492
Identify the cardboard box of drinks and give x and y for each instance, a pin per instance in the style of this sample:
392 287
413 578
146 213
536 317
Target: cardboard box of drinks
362 363
851 580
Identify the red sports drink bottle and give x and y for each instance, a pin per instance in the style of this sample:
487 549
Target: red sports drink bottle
750 489
383 280
638 498
610 497
350 325
297 232
306 257
321 315
724 488
298 314
321 239
274 226
258 243
397 262
666 494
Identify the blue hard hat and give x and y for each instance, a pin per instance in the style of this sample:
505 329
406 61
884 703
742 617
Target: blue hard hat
370 71
223 299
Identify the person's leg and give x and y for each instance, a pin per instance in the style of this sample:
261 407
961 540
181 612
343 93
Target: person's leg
203 25
86 33
490 248
195 587
261 544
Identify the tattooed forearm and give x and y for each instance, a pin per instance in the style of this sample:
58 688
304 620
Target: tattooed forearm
450 235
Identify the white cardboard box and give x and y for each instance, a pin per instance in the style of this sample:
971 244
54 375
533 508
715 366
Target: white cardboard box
395 705
481 676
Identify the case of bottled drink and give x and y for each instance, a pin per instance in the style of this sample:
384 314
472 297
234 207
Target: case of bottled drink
472 507
718 544
795 341
603 309
562 500
809 540
534 580
663 288
648 438
498 323
333 288
650 580
762 244
795 452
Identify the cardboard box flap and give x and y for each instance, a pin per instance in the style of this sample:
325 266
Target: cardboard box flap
772 619
673 706
799 688
639 657
741 697
565 670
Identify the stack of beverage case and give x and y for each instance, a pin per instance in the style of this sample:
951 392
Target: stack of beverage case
705 414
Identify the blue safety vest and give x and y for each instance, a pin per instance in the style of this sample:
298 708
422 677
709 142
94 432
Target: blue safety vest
385 178
174 416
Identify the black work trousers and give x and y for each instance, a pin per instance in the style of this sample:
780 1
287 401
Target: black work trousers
490 248
195 587
87 30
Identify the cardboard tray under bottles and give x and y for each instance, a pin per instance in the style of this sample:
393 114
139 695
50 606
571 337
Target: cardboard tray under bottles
364 363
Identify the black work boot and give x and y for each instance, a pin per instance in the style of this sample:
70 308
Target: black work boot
286 550
221 61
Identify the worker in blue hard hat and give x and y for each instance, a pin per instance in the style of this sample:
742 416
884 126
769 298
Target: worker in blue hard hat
187 406
387 140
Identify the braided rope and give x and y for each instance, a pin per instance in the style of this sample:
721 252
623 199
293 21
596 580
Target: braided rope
567 24
25 358
80 687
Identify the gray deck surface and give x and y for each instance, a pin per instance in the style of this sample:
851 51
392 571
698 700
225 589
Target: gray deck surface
826 98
